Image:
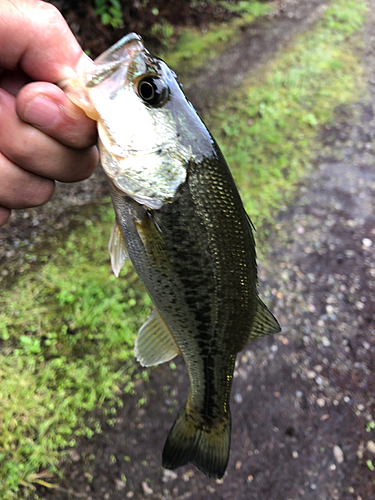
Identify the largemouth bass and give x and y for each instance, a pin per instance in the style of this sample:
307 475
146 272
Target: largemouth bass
180 219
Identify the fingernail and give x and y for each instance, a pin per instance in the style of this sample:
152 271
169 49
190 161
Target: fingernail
42 112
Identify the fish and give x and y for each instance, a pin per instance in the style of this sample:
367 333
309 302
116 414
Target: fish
181 221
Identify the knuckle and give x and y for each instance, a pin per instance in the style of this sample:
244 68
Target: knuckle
49 14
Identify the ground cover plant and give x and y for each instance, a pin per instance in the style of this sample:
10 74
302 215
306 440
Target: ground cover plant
67 326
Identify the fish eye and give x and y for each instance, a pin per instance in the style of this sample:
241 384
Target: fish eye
152 90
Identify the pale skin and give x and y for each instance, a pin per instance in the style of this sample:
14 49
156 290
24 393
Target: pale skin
43 136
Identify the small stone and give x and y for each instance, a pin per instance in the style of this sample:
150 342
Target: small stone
130 494
238 465
338 454
326 342
371 447
120 485
295 454
310 374
146 489
187 475
238 398
320 402
366 242
299 394
168 475
313 486
329 309
74 456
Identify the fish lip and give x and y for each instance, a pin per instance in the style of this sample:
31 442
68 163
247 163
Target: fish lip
119 55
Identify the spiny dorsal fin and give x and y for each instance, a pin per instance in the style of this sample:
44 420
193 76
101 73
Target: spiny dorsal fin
264 322
117 249
155 344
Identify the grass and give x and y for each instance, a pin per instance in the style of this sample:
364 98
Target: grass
67 326
267 129
193 48
67 332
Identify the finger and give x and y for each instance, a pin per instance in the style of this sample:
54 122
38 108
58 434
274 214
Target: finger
33 150
20 188
46 106
4 215
44 46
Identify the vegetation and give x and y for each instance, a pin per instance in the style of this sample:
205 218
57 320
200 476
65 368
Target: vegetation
67 327
267 129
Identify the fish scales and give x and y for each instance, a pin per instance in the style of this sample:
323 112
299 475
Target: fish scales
180 219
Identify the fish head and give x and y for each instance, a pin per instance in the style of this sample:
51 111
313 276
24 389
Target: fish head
149 134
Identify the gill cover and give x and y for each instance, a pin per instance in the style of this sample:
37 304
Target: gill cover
144 145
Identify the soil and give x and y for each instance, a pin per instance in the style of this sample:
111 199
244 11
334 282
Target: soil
301 400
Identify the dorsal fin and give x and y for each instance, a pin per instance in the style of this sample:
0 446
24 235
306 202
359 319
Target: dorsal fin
117 249
155 344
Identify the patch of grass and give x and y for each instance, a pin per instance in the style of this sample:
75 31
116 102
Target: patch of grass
66 335
193 48
267 128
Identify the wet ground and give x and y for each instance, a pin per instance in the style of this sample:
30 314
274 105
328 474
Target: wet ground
302 401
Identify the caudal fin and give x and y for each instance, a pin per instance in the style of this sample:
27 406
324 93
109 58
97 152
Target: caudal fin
204 445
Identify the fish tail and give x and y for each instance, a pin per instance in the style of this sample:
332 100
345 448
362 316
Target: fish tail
206 445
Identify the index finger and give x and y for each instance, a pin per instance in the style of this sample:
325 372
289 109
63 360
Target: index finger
35 36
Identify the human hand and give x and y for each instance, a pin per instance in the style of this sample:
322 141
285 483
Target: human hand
43 136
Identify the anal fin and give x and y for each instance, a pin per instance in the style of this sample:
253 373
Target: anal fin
117 249
155 344
264 322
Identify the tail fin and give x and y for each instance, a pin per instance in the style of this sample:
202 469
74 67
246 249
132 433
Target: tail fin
205 445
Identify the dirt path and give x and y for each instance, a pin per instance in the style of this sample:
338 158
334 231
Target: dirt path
301 400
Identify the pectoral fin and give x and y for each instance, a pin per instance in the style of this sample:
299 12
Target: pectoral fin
264 323
117 249
155 344
152 239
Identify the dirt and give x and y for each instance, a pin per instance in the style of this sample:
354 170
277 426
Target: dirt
301 400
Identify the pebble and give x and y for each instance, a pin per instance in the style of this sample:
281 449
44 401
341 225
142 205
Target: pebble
74 456
146 489
120 485
168 475
238 398
338 454
366 242
326 342
371 447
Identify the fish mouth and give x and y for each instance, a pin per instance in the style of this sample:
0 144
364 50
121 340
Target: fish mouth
118 56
